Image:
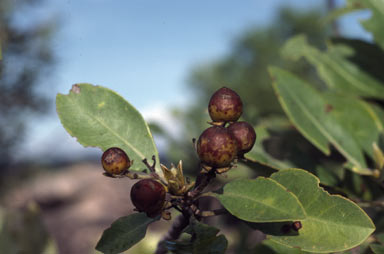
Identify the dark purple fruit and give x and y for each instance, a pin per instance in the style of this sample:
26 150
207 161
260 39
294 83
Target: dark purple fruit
115 161
148 196
216 147
225 106
244 134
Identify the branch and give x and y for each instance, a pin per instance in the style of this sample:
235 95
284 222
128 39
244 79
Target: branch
202 181
150 167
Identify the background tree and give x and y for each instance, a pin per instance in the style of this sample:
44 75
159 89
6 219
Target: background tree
27 57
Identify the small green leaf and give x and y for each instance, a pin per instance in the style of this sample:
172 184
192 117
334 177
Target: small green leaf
329 174
124 233
301 103
260 200
356 117
205 240
99 117
310 112
333 223
377 248
333 67
366 55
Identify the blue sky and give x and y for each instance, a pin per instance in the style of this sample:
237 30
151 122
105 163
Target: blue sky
143 49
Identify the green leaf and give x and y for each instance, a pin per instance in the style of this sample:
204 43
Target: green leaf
356 117
260 200
329 174
377 248
377 114
310 113
124 233
375 23
205 240
301 103
367 56
334 68
333 223
260 156
99 117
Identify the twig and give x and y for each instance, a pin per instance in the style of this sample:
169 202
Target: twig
151 168
202 181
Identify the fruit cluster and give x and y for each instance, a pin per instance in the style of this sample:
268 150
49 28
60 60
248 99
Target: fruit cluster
218 147
149 194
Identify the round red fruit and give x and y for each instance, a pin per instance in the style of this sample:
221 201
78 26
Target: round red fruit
148 196
216 147
225 105
244 134
115 161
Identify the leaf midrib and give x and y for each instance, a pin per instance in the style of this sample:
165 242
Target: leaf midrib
234 195
132 231
111 130
309 218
